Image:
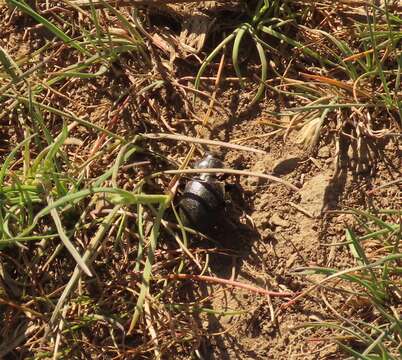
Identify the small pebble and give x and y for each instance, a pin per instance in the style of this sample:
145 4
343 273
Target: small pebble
324 152
278 221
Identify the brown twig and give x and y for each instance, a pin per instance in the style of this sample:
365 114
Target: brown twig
211 279
22 308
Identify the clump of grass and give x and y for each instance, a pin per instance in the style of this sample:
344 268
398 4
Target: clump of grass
46 199
70 214
350 76
268 18
364 301
365 79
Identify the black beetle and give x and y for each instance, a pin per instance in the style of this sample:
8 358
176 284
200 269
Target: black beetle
204 197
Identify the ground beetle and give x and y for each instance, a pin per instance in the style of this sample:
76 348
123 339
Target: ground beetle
204 197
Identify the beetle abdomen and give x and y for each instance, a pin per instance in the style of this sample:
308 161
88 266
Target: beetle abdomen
201 203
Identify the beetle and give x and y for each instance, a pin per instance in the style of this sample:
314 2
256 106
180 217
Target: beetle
203 199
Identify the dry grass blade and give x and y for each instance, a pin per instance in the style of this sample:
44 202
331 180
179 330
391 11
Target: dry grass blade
233 172
193 140
337 83
210 279
97 3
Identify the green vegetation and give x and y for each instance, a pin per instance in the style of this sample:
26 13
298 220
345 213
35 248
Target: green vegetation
73 190
372 289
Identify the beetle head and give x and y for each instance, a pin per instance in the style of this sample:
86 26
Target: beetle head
208 162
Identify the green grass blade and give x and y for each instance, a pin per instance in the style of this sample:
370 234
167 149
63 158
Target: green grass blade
210 57
235 51
354 353
346 51
9 159
47 24
264 74
141 237
68 115
298 45
360 336
123 197
373 41
131 29
146 275
10 66
88 257
66 241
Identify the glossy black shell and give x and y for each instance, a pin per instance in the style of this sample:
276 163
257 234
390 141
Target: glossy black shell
203 198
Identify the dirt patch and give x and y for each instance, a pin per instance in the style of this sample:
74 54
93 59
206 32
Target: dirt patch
292 231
